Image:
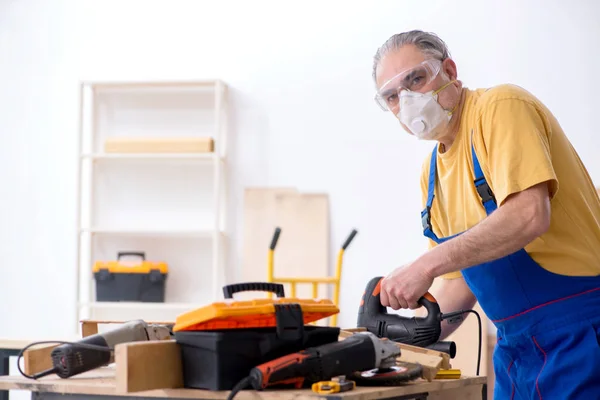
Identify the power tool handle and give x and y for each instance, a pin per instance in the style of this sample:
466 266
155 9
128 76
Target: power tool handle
284 370
349 239
432 307
355 353
314 364
275 238
374 290
69 359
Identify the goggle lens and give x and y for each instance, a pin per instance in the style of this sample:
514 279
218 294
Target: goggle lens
414 79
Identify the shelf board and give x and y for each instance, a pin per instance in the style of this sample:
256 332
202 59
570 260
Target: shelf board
154 85
152 232
140 305
153 156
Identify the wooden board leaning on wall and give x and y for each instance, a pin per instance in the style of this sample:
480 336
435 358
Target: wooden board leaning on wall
303 246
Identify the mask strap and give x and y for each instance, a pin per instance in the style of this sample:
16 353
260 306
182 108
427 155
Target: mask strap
444 87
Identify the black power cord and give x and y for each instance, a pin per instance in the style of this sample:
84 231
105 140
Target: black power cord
54 369
456 316
241 385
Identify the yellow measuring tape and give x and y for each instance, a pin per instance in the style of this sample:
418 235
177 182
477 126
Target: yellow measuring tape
327 387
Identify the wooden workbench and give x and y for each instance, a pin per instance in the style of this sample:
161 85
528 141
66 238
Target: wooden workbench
100 384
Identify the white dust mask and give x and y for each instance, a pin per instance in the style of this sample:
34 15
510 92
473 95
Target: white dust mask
422 114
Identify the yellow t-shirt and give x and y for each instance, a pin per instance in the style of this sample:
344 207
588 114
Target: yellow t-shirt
518 143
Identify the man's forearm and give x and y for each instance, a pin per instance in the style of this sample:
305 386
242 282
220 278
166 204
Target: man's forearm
508 229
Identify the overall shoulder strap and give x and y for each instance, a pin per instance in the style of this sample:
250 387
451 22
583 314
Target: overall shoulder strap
483 188
426 214
432 173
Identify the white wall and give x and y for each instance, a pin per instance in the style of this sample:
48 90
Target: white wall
303 113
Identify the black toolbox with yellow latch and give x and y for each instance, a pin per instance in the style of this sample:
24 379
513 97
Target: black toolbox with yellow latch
136 280
221 342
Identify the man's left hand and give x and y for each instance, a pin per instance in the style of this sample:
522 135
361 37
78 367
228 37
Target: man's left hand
405 286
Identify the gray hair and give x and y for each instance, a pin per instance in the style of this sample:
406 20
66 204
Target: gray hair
429 43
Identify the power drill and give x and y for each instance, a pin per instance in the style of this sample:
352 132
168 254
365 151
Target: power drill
97 350
359 352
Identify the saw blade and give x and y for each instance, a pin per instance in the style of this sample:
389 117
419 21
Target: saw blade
395 375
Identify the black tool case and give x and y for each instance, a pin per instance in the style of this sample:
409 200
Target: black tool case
141 281
219 344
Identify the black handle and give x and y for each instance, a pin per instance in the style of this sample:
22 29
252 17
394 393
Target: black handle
140 254
432 307
418 331
275 238
349 239
371 307
230 290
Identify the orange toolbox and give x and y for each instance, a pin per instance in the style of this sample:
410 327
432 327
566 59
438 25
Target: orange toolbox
221 342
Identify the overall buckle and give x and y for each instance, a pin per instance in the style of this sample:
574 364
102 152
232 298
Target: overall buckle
485 192
426 219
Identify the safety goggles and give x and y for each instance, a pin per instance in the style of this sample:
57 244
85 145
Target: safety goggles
412 79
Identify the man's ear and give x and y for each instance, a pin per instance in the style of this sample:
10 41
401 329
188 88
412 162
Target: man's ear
449 68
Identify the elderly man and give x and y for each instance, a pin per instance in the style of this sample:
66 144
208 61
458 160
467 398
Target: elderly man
512 217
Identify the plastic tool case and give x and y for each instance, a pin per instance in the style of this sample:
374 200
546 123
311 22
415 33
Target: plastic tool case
130 281
220 343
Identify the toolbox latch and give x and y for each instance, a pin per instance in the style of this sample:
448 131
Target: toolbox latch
104 274
155 276
290 322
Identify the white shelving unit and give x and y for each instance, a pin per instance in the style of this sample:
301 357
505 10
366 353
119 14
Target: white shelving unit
170 206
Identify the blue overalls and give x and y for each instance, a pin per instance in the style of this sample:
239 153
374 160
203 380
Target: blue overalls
548 325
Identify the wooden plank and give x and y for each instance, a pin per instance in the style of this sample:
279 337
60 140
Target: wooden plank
431 364
148 365
259 223
303 247
37 359
159 145
470 392
416 349
102 382
344 333
88 328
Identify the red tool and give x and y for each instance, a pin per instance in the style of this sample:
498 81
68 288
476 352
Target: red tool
362 351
